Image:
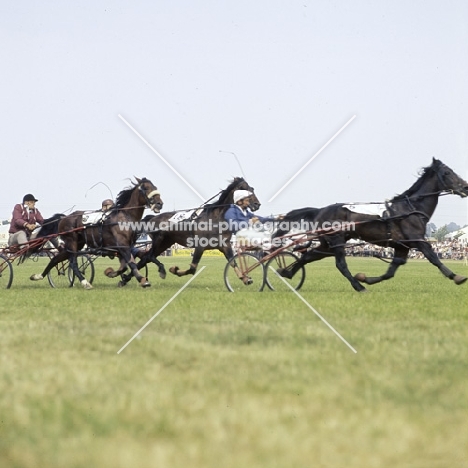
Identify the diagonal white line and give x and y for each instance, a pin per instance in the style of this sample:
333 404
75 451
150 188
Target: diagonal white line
312 158
314 311
160 310
160 157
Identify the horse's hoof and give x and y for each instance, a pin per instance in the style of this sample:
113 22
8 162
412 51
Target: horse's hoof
457 279
174 270
122 284
144 283
360 277
162 274
36 277
284 273
363 290
110 273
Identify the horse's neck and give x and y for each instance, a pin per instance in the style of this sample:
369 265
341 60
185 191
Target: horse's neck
227 200
426 198
213 213
222 205
135 208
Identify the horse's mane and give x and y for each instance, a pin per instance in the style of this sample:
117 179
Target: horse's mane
223 196
425 173
124 196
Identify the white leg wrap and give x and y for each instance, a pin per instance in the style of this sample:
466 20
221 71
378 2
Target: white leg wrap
85 283
36 277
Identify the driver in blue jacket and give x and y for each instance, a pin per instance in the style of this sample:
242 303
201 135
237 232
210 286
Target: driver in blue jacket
238 214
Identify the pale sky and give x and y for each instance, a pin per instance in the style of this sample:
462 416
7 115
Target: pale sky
271 81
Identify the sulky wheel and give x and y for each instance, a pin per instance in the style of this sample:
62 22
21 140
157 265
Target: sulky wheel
58 276
283 260
6 272
244 273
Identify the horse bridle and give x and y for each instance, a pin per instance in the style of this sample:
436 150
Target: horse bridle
148 196
252 191
442 183
438 192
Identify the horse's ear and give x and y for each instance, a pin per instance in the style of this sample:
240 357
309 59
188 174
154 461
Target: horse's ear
137 179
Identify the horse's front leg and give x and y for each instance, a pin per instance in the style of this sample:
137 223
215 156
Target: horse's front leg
147 258
127 257
111 273
426 249
197 255
74 266
161 268
150 257
400 257
226 248
340 262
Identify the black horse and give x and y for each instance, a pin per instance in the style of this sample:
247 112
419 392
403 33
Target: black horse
402 226
115 235
204 230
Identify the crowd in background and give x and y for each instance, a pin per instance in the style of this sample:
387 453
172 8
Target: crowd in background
450 249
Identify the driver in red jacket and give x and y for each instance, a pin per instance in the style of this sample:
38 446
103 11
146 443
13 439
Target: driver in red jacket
26 217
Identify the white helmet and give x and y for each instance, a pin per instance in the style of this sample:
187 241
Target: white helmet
241 194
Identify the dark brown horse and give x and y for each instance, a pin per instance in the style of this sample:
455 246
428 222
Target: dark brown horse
113 236
402 227
204 230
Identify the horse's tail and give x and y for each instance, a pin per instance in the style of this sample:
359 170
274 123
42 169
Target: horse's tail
307 214
148 218
150 224
49 228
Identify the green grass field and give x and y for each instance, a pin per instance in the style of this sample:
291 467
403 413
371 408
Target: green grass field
235 380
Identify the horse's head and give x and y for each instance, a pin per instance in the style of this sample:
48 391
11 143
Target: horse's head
50 226
254 201
150 193
448 180
226 196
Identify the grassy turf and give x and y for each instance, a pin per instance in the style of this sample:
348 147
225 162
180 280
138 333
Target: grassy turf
230 380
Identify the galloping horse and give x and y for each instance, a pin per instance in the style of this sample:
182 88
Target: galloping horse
402 227
203 231
115 235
